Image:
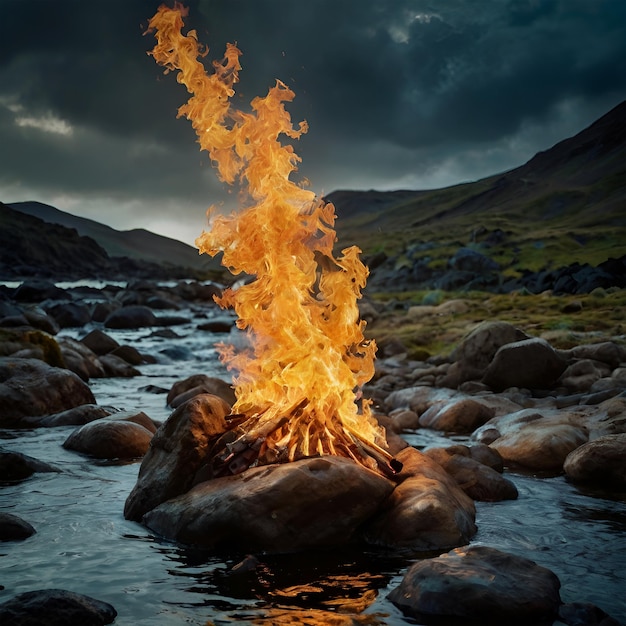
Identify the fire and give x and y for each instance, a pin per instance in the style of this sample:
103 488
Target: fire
296 389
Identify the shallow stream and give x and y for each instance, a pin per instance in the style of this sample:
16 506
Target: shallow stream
84 544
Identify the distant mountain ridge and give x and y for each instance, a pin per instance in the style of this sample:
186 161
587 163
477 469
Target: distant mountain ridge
135 244
567 203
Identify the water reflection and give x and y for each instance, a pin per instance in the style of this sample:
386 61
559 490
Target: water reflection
321 587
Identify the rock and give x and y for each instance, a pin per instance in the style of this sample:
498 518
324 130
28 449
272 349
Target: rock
583 614
426 511
55 607
76 416
37 290
310 503
14 528
478 584
177 453
478 481
402 419
191 386
69 314
39 319
218 325
80 359
535 440
128 354
477 350
30 387
530 363
117 438
601 462
460 416
115 367
606 351
99 342
15 466
582 374
137 316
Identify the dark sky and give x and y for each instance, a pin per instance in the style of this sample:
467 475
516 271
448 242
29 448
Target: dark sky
398 94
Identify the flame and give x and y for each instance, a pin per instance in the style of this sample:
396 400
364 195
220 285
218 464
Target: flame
297 387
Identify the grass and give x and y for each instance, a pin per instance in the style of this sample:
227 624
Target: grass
602 316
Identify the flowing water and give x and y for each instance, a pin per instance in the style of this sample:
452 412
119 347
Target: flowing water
84 544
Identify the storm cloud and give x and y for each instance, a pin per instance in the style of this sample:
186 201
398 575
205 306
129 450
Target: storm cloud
402 94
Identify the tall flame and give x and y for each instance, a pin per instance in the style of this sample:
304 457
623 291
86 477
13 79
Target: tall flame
298 384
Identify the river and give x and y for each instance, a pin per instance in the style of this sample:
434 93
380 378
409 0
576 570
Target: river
84 544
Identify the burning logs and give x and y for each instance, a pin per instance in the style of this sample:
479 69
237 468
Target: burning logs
202 483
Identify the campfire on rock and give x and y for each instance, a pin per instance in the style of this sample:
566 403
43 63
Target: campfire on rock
297 386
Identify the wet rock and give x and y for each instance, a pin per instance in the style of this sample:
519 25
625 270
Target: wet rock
55 607
461 416
480 482
601 462
401 420
137 316
128 354
183 390
480 585
30 387
69 314
14 528
218 325
119 438
533 439
314 502
37 290
15 466
115 367
99 342
80 359
583 614
177 453
530 363
426 511
582 374
38 318
76 416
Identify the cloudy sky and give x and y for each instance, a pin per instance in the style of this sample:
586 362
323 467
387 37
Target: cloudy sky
411 94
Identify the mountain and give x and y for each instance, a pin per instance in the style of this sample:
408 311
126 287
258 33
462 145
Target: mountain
135 244
567 204
32 247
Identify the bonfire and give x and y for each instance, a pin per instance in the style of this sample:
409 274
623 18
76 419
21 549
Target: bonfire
298 385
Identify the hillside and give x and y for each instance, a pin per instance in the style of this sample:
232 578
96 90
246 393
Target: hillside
32 247
565 205
135 244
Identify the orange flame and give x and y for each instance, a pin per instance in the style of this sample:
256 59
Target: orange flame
298 384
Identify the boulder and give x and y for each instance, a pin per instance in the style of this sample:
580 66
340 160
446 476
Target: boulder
15 466
31 387
14 528
80 359
124 436
69 314
55 607
99 342
541 444
426 511
178 450
183 390
476 351
480 482
477 585
136 316
459 416
115 367
601 462
38 290
310 503
530 363
76 416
